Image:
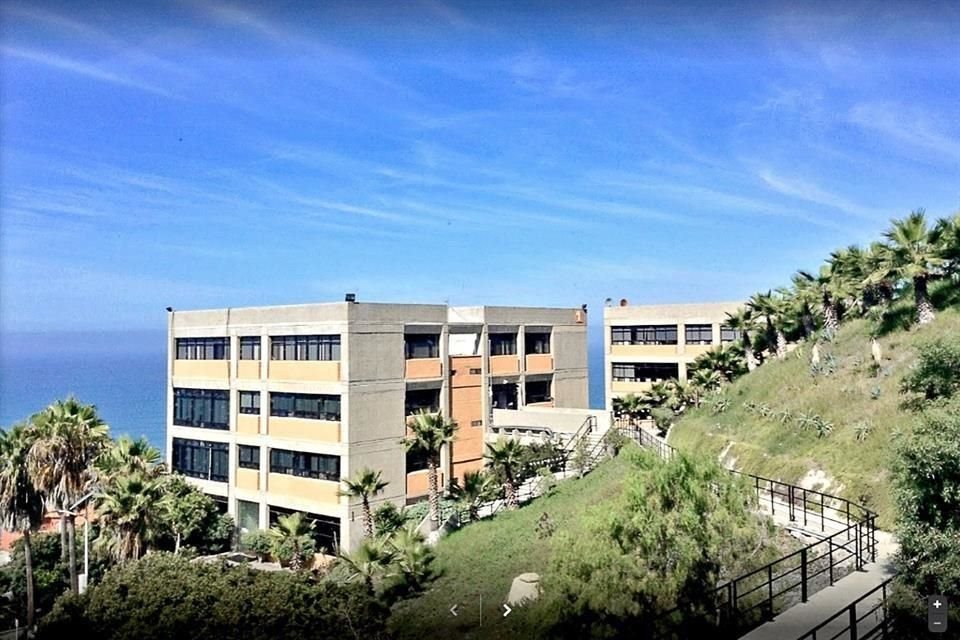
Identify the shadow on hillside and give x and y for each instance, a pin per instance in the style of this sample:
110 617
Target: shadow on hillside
945 294
899 318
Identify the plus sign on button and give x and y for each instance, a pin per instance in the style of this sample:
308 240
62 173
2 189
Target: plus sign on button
937 614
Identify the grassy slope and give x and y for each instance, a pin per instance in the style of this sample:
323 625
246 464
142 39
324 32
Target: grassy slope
765 447
485 557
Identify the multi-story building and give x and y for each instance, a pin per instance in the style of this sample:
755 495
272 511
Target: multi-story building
269 407
645 344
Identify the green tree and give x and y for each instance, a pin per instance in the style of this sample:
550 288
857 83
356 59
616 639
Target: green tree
129 512
774 309
388 517
743 322
411 559
477 487
726 361
293 540
937 371
913 255
364 484
827 288
371 563
184 509
69 437
506 456
429 434
631 406
127 456
946 234
21 504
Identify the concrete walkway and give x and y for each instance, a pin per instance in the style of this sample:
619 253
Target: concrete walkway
801 618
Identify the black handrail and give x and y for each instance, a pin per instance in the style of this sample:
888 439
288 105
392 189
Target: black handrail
855 618
745 602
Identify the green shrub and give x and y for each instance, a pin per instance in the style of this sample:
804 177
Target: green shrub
388 518
257 542
937 372
163 596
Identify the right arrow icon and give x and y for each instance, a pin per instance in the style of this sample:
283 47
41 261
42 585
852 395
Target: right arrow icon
506 610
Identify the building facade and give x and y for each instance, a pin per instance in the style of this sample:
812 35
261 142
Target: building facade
269 407
644 344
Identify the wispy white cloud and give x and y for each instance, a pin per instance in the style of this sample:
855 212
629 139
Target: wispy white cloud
906 125
83 68
810 192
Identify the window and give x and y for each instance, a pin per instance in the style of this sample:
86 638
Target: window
201 459
645 372
698 334
250 402
305 348
503 344
504 396
250 347
248 516
537 343
203 348
476 423
204 408
644 334
729 334
416 460
326 529
319 466
305 405
475 371
538 391
422 399
421 346
248 457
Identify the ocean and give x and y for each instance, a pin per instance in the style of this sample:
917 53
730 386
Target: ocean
122 373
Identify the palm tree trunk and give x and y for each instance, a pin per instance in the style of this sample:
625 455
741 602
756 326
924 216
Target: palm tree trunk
748 354
781 344
72 554
63 536
809 328
367 518
925 313
434 493
176 545
28 562
510 492
830 320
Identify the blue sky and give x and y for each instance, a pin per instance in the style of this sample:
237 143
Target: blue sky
206 154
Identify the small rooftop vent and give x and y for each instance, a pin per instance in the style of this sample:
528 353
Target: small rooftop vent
350 297
623 302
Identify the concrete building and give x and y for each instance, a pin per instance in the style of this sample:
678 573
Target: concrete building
651 343
269 407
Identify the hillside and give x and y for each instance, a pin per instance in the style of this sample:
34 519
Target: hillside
758 432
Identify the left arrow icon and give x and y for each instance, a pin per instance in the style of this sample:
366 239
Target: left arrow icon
453 609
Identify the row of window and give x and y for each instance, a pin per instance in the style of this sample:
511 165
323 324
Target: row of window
210 408
203 348
211 461
645 372
667 334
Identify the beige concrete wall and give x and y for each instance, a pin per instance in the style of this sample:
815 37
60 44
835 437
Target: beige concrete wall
321 491
559 420
248 369
305 371
247 423
248 479
303 429
208 369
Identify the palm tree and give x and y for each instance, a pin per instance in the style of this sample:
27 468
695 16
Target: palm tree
371 561
947 236
477 487
803 297
724 360
127 456
69 437
21 504
130 514
365 483
742 321
704 381
630 406
773 309
506 455
827 288
913 254
411 556
429 434
292 537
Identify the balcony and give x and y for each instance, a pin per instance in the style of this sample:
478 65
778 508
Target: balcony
248 424
641 350
305 370
248 479
208 369
504 365
539 363
303 429
311 489
248 369
423 368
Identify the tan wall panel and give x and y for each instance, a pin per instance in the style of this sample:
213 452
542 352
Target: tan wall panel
423 368
248 479
324 491
693 350
248 423
248 369
539 363
201 368
308 371
501 365
640 350
303 429
622 386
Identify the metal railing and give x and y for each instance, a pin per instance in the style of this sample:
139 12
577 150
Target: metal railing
747 601
857 615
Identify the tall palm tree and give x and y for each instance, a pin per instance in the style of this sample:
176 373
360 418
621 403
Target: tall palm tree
914 255
429 434
947 236
292 536
127 456
21 504
477 486
726 361
411 556
803 297
773 309
827 289
743 322
506 455
130 513
364 484
69 437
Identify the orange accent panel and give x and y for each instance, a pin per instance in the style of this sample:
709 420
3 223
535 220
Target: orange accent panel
460 367
423 368
460 468
417 484
539 363
502 365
